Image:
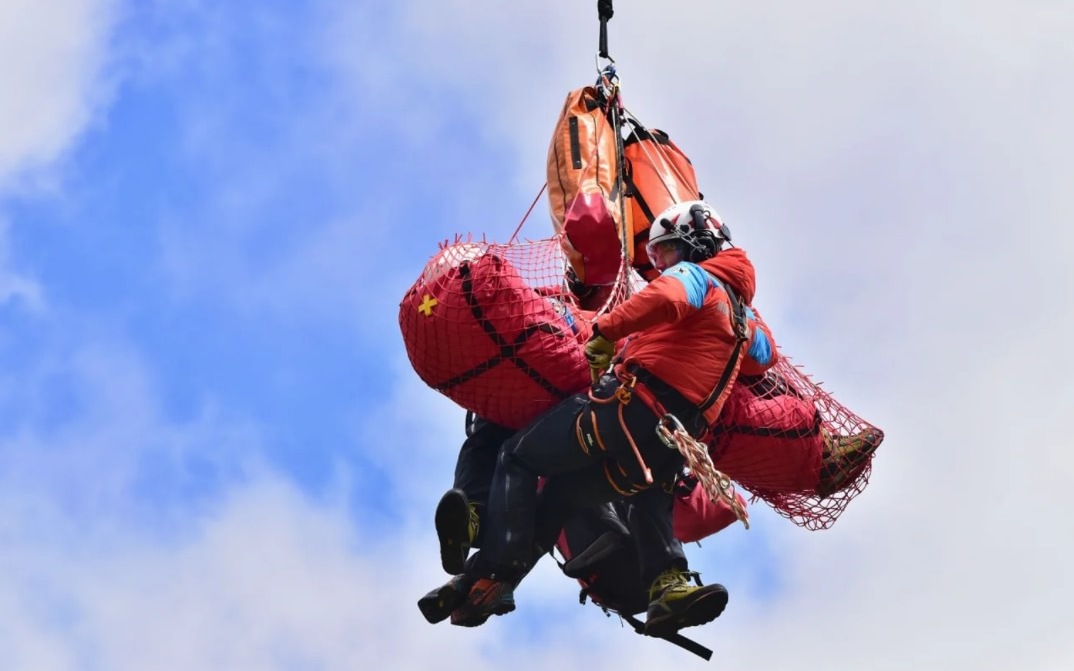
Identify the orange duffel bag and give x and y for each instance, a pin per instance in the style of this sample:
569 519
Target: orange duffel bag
658 175
585 195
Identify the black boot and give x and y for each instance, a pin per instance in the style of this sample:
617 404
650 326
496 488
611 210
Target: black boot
438 604
456 528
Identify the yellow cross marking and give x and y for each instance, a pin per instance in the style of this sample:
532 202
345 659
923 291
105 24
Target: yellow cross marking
427 305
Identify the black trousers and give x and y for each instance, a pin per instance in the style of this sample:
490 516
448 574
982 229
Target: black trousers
521 524
477 462
651 528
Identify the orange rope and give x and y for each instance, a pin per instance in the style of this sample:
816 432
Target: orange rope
527 215
623 395
634 446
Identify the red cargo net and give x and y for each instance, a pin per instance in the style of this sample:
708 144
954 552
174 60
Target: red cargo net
494 328
786 440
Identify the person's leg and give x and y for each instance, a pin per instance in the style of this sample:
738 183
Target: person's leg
606 470
477 459
673 602
492 589
548 447
518 530
564 495
651 528
587 451
458 513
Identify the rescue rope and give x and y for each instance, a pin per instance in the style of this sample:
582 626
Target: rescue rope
623 396
608 86
527 215
717 485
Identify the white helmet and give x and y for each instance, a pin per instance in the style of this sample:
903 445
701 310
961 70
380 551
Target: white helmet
694 223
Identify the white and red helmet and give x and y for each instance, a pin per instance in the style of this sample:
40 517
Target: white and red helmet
695 224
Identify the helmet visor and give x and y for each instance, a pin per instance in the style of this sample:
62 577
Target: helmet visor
665 253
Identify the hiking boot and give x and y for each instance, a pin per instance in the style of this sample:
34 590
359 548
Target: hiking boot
437 605
487 597
844 458
457 525
674 603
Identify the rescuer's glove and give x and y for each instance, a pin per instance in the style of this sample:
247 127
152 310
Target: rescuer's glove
598 352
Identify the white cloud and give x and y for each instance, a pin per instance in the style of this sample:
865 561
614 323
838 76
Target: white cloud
52 57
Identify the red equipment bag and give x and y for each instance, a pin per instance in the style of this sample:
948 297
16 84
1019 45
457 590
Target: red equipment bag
477 332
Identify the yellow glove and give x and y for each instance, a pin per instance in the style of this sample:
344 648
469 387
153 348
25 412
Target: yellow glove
598 352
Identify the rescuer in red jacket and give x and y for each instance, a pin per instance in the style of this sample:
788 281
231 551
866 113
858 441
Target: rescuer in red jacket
686 335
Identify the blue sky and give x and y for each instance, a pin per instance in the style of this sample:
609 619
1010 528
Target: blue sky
214 453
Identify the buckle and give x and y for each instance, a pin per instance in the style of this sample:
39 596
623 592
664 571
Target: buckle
625 391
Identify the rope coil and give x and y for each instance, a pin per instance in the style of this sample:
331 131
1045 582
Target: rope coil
716 484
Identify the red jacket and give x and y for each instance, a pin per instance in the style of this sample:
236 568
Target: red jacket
680 327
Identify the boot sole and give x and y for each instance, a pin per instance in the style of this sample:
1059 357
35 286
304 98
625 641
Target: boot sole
438 604
453 530
705 609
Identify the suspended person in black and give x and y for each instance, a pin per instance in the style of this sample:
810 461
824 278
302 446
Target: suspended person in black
686 336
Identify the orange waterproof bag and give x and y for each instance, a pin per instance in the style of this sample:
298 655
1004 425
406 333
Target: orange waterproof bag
658 175
584 187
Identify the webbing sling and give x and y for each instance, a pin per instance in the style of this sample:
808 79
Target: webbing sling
738 319
678 639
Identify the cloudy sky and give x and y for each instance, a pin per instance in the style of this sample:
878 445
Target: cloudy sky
214 453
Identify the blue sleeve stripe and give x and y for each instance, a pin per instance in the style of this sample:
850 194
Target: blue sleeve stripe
760 349
693 279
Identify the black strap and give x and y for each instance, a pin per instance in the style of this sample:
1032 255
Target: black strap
639 627
637 134
605 12
634 192
507 350
738 320
678 639
670 397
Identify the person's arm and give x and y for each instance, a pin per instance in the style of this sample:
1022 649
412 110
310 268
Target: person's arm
679 291
762 353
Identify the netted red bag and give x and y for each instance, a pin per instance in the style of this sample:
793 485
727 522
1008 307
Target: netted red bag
478 332
789 442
